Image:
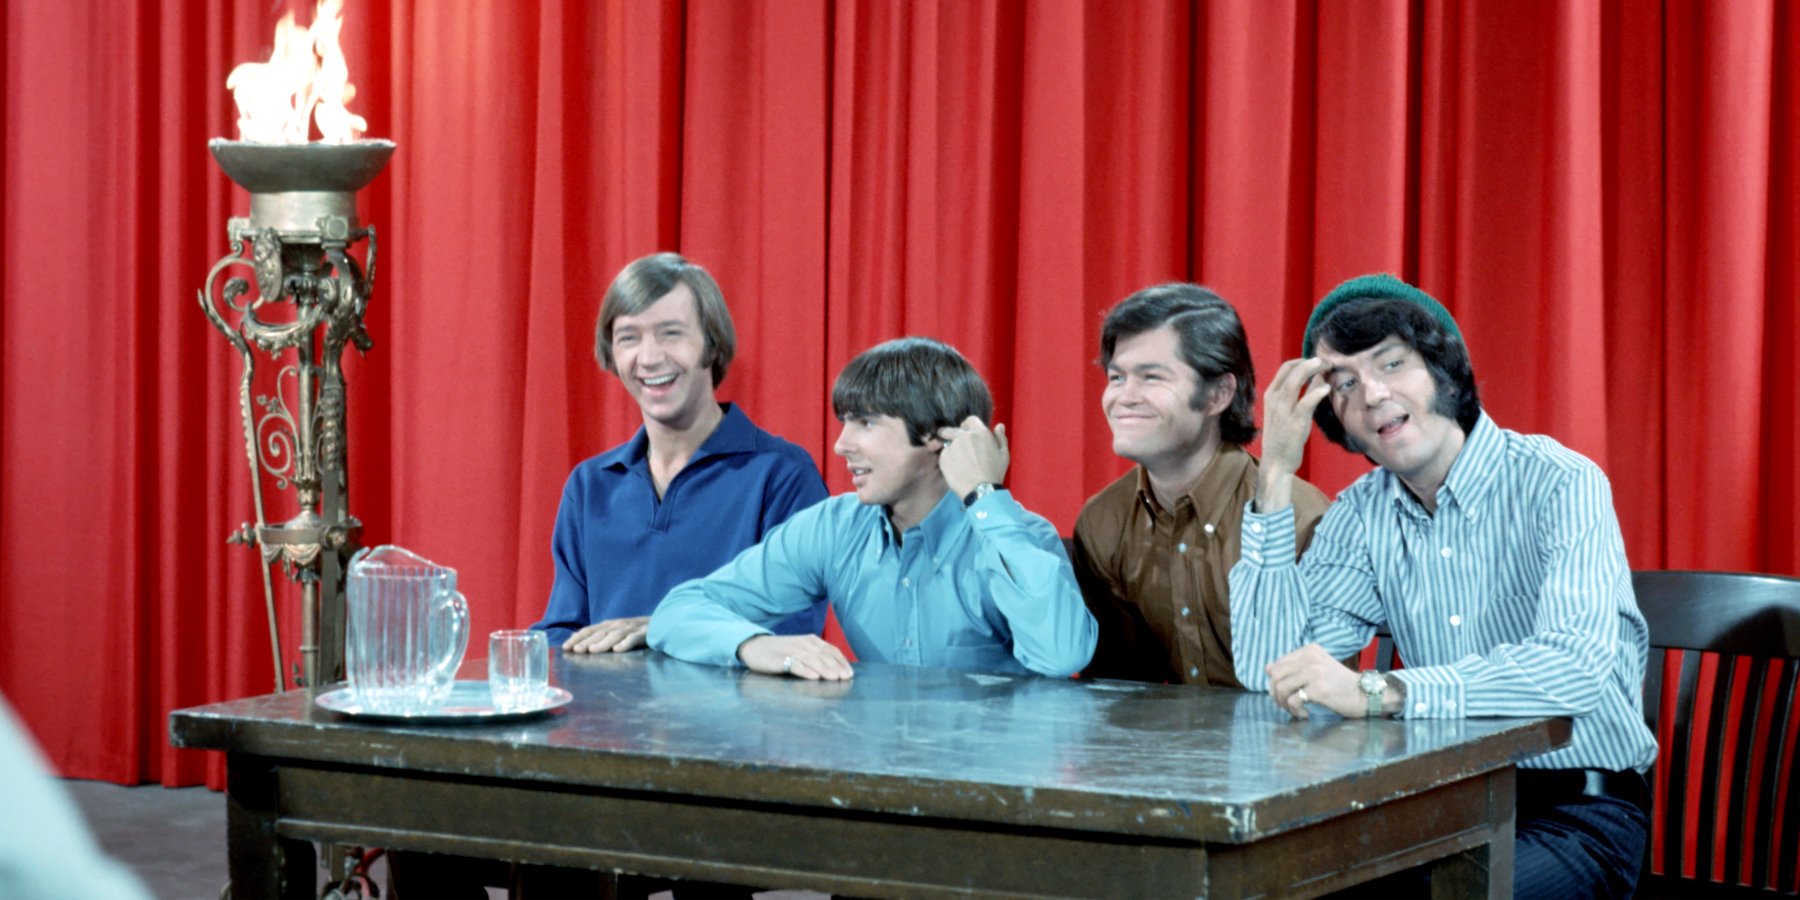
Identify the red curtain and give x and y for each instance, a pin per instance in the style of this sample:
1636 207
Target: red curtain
1604 193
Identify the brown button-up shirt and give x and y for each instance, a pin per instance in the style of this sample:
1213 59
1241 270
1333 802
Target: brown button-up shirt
1155 578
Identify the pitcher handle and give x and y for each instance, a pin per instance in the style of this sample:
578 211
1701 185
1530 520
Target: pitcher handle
458 608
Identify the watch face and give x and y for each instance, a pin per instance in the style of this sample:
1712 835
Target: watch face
1372 683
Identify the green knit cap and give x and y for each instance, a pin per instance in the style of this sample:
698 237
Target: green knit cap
1378 285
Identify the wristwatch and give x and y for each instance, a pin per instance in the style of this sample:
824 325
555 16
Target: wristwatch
1374 686
981 490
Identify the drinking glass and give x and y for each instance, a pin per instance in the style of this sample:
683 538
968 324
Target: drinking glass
518 669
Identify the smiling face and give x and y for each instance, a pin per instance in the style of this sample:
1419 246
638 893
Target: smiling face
1386 399
1149 402
889 470
660 355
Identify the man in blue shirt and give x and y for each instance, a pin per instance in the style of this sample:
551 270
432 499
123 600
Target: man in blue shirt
697 483
1495 559
929 563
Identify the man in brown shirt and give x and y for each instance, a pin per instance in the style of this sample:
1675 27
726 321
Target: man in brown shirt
1152 550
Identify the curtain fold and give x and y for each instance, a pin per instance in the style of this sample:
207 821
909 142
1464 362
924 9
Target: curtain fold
1604 193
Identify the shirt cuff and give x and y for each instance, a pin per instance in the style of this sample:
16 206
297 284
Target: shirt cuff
996 510
1433 693
730 636
1268 538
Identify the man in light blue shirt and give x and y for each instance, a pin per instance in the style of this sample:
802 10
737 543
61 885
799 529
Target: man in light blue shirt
930 563
1495 559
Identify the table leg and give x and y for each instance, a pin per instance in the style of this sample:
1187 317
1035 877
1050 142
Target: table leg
1487 870
262 864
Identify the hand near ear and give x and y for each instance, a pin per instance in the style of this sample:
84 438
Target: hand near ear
973 455
1297 389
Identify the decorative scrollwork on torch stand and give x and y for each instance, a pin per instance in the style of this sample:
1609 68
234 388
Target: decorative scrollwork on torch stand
309 303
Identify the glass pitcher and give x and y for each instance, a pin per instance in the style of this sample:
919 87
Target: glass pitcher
406 631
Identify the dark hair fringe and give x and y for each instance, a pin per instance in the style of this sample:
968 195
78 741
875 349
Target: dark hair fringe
645 281
1356 325
1212 343
923 382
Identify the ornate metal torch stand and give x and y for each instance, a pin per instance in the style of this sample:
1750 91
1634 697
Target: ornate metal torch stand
309 302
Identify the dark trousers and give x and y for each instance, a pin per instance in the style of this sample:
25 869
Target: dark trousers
1567 844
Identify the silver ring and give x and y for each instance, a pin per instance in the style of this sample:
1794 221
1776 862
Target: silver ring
1301 693
787 665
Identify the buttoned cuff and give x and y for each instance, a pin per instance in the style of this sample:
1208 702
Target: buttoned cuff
995 510
1268 538
1433 693
727 638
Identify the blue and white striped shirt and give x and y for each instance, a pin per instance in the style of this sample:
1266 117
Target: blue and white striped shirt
1514 599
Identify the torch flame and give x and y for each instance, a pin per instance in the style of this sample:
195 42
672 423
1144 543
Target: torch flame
306 77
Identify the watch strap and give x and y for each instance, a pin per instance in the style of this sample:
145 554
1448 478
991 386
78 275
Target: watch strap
1374 687
981 490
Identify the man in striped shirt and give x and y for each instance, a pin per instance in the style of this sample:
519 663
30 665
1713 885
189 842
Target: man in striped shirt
1494 558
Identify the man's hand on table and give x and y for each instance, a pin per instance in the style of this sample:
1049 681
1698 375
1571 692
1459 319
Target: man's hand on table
1310 675
615 635
802 656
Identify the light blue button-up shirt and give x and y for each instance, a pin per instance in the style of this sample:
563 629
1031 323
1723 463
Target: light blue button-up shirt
1514 599
987 588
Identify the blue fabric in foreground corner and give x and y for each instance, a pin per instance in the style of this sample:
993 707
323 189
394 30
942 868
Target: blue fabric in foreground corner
618 548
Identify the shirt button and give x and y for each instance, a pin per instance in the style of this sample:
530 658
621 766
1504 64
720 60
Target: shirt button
1193 671
909 642
1445 553
1184 610
1181 547
1253 556
981 514
1418 707
906 582
1456 620
1209 528
1256 527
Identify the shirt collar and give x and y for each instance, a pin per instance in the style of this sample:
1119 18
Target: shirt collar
1471 477
941 527
1224 471
735 434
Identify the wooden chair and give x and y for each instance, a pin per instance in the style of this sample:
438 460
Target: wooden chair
1721 696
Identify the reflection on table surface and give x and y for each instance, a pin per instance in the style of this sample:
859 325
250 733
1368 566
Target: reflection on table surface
1204 763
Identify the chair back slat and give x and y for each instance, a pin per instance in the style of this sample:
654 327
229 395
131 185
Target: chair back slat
1720 695
1732 790
1784 831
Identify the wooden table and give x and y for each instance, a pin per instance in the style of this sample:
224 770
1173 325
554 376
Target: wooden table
902 782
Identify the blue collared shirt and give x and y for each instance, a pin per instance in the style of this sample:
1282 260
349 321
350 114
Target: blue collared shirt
618 548
1514 599
987 588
